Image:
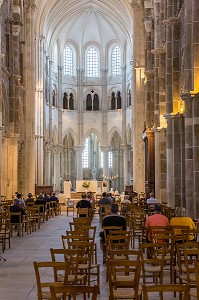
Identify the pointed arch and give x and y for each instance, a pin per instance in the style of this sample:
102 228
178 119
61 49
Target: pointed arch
112 132
72 133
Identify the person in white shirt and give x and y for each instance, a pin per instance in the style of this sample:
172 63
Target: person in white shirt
151 200
61 198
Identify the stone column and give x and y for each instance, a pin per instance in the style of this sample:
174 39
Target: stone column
57 181
1 128
47 162
138 98
80 124
60 105
79 150
189 180
105 151
170 163
50 101
105 104
29 101
126 150
196 156
39 110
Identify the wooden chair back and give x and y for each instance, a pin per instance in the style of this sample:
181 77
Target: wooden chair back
166 288
45 281
73 290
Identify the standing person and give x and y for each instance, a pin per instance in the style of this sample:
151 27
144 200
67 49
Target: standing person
156 220
180 219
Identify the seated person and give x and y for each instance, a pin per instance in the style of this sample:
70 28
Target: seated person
30 199
156 220
113 220
17 208
151 200
84 203
180 219
21 201
105 200
124 204
54 197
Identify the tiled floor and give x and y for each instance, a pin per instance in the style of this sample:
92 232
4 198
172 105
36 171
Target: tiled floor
17 278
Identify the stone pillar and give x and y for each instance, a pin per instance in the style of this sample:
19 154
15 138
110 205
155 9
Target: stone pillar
50 101
39 110
56 183
170 163
79 150
105 104
196 156
169 60
126 150
160 165
10 164
80 125
60 105
1 128
138 97
29 101
188 48
47 169
105 151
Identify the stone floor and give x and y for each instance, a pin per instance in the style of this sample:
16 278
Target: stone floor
17 278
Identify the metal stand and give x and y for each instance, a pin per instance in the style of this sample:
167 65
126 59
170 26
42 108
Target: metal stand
2 258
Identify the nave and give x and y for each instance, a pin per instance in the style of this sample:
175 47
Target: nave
17 277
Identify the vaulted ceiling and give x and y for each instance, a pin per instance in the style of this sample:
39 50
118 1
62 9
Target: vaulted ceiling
82 21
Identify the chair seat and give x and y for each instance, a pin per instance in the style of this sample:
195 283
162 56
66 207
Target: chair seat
192 277
125 278
71 278
193 293
125 293
149 268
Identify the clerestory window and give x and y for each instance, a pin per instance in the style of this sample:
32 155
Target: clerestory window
116 61
68 61
92 62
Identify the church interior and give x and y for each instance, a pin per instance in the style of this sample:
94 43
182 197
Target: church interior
94 91
97 95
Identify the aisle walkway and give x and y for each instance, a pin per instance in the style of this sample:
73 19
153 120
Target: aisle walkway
17 277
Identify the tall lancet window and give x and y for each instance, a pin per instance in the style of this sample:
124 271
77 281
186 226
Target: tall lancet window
68 61
116 61
85 155
92 62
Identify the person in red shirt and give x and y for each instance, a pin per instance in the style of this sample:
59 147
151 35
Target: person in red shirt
156 220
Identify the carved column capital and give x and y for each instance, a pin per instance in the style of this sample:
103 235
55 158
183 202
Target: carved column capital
16 30
148 23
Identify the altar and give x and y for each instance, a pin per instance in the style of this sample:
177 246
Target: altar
90 186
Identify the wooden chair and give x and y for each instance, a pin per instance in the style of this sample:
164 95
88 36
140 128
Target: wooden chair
70 206
87 267
152 267
104 242
104 210
73 256
119 239
166 288
16 221
83 212
73 290
137 228
178 232
124 278
83 221
44 281
195 293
